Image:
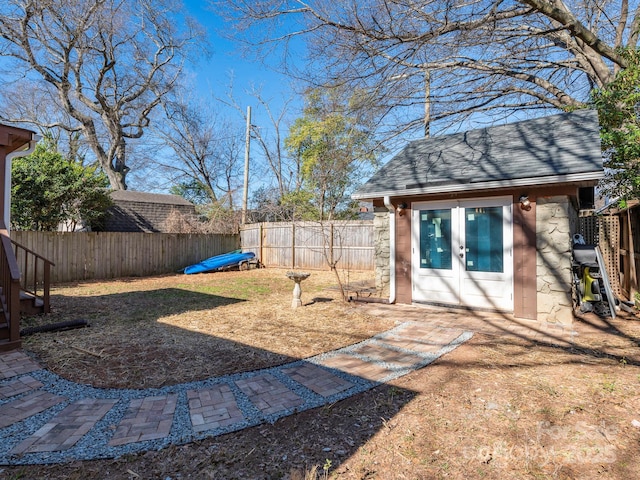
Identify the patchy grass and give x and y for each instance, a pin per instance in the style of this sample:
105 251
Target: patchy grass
177 328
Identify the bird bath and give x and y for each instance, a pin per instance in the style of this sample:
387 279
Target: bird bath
297 277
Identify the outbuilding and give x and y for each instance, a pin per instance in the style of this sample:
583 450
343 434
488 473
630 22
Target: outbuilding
484 219
147 212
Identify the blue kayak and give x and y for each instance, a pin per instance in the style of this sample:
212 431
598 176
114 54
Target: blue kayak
219 262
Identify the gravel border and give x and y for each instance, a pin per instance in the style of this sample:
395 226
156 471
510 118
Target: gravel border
94 444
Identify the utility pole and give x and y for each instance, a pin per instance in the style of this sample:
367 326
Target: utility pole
427 102
245 194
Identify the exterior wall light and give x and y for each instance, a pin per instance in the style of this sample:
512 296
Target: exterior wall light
402 208
525 203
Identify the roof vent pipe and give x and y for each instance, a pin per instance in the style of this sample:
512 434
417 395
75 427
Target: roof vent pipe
392 249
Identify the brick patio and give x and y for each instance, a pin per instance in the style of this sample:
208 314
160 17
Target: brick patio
485 322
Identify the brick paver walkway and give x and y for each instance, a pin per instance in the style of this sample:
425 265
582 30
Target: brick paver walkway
147 418
18 386
212 408
25 407
317 379
268 394
66 428
16 363
44 419
357 367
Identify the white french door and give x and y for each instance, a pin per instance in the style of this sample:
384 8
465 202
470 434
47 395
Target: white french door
462 253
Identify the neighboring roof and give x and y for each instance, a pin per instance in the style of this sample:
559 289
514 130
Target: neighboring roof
145 212
145 197
555 149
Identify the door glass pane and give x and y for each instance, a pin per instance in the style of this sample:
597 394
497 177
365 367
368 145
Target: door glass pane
435 239
484 239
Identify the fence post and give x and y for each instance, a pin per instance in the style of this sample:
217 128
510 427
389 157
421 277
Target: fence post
293 244
331 243
631 254
261 244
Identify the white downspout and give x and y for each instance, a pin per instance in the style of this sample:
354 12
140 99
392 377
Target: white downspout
392 249
7 176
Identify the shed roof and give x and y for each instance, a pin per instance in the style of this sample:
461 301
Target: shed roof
554 149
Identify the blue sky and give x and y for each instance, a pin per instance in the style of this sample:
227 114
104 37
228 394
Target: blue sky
213 75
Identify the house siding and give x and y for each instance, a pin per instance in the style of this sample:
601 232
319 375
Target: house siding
404 287
524 261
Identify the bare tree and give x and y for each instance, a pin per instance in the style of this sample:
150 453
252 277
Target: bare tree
205 150
458 58
285 169
105 64
25 100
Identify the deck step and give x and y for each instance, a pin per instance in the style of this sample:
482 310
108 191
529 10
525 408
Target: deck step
8 345
30 304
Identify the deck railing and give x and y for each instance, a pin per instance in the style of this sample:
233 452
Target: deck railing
36 274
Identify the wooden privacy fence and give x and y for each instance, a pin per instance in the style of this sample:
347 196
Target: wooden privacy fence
629 228
311 245
103 255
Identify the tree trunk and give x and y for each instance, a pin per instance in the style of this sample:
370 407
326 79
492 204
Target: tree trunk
117 170
116 179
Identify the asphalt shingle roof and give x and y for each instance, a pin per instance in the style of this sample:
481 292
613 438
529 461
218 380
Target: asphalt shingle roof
552 149
146 197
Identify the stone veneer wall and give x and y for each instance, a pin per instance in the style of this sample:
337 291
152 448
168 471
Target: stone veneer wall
382 248
556 220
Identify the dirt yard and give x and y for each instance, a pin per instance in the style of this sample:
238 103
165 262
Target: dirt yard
179 328
495 408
